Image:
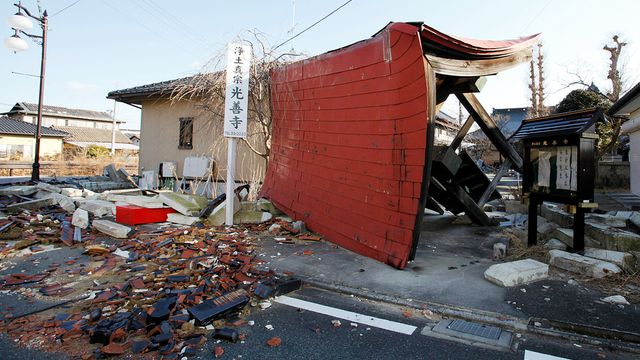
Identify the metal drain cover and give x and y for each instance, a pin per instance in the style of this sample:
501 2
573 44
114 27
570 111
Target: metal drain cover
485 331
471 331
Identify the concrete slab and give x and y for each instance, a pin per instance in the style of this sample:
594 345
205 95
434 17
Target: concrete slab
266 205
18 190
188 205
555 244
71 192
218 215
65 202
624 260
608 220
48 187
556 215
635 218
613 238
581 264
517 272
178 218
565 235
99 208
111 228
144 201
30 205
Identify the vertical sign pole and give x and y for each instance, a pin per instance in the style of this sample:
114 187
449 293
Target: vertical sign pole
235 116
231 169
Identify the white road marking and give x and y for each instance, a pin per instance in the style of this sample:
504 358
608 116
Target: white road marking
532 355
348 315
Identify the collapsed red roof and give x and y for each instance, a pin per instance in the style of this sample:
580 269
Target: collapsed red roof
353 133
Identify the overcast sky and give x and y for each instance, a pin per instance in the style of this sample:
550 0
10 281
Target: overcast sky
97 46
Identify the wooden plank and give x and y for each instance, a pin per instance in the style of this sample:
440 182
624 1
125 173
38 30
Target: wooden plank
494 183
454 67
489 127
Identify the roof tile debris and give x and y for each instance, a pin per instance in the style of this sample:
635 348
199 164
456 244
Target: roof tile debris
163 290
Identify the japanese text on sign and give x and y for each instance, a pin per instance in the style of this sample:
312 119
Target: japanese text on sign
237 90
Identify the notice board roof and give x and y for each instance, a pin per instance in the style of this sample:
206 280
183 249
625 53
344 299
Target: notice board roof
568 123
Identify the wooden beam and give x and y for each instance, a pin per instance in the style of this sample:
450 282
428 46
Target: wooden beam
489 127
483 67
494 183
457 141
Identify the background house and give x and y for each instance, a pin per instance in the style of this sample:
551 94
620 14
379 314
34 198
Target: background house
17 141
629 106
172 131
61 116
82 137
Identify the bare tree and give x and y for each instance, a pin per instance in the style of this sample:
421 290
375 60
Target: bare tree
536 86
614 73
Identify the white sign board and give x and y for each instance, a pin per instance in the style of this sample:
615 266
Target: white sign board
237 90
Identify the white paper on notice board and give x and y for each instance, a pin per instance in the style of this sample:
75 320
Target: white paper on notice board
544 168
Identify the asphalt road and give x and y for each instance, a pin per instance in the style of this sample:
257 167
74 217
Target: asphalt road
309 335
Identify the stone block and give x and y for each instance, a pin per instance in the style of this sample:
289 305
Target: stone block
80 218
111 172
111 228
48 187
99 208
251 217
624 260
545 228
556 215
65 202
71 192
178 218
565 235
581 264
188 205
555 244
516 272
18 190
87 193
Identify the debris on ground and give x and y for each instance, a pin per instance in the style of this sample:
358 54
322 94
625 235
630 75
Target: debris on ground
143 285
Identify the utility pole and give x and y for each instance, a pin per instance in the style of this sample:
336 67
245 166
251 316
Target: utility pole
113 130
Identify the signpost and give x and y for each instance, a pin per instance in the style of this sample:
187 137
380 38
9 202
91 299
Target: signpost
235 114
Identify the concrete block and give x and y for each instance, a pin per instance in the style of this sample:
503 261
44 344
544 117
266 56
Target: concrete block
99 208
516 272
18 190
188 205
111 228
581 264
608 220
556 215
624 215
71 192
80 218
565 235
30 205
266 205
499 250
218 215
545 228
635 218
555 244
87 193
48 187
111 172
613 238
624 260
251 217
144 201
178 218
65 202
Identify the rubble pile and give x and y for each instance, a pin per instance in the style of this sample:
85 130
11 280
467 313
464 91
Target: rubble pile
161 290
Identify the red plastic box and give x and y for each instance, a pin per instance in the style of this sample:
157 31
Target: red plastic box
135 215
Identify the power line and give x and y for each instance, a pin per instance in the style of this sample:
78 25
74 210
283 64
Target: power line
65 8
170 16
535 17
312 25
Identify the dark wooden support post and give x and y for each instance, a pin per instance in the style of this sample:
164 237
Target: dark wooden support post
506 164
532 230
488 126
578 229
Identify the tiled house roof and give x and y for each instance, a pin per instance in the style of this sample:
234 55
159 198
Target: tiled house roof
92 135
17 127
58 111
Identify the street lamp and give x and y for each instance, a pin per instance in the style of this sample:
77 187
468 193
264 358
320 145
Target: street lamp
19 23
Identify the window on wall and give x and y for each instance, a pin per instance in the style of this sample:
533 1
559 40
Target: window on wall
186 133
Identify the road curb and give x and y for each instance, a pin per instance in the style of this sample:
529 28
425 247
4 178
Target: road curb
482 316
